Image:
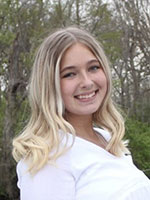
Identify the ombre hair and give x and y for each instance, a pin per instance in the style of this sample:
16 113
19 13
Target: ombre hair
40 140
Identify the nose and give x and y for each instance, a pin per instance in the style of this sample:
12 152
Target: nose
86 81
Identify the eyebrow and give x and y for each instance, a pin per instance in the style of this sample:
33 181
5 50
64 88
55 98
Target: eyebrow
73 67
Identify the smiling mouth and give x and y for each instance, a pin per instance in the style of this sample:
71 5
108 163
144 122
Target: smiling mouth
86 96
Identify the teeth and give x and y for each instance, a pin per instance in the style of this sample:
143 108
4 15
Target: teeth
86 96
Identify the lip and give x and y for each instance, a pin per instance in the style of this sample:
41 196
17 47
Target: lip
87 93
87 99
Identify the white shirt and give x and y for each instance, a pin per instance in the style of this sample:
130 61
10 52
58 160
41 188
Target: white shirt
85 172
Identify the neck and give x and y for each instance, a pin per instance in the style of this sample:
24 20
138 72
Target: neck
82 124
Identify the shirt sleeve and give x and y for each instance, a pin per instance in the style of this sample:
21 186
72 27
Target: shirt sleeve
50 183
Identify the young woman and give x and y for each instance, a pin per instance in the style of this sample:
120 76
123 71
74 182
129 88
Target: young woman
72 147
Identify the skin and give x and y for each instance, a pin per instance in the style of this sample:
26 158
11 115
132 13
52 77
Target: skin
83 88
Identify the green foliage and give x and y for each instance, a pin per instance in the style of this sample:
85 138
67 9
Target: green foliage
143 115
111 44
7 38
138 134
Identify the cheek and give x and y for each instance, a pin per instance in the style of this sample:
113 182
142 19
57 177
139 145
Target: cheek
67 94
67 90
101 80
64 88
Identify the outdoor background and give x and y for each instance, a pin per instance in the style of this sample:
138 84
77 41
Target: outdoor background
123 28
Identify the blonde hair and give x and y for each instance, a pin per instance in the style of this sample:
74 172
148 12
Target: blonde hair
40 137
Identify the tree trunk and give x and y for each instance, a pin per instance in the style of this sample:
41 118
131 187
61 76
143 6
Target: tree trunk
7 173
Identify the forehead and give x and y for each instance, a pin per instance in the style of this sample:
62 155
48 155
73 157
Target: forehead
76 54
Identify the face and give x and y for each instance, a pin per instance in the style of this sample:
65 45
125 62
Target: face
83 82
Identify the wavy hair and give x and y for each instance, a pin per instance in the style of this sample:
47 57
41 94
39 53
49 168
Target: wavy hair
40 137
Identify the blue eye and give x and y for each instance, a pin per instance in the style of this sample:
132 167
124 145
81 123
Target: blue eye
94 68
69 75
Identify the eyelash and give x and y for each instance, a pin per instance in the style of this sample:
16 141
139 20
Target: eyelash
94 68
68 75
71 74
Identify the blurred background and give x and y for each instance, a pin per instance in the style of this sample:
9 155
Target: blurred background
123 28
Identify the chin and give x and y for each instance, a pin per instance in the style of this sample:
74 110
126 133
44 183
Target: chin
87 112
